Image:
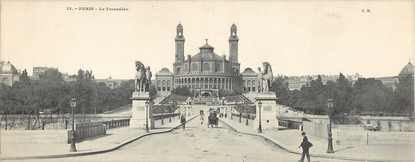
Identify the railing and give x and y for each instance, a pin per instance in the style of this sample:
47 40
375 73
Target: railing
86 130
244 115
116 123
165 116
290 124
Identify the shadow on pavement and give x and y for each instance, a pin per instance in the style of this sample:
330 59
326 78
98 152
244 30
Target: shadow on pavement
93 138
343 149
283 128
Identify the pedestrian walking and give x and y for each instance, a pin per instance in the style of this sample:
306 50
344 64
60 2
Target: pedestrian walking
183 121
306 146
201 119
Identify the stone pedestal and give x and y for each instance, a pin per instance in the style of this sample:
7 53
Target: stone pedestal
139 110
268 111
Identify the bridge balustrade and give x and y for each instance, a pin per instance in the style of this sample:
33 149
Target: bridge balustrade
116 123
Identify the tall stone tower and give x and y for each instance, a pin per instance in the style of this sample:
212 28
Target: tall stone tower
179 55
179 44
233 49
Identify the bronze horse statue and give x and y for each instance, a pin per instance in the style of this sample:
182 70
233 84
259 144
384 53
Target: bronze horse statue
140 77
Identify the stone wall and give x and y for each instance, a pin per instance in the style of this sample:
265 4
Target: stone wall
86 130
34 136
316 129
374 138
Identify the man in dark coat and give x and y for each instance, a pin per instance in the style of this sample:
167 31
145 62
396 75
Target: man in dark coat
183 121
306 146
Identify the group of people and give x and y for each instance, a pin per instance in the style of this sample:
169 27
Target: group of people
212 118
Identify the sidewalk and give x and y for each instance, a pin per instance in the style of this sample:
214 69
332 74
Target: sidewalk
114 139
290 139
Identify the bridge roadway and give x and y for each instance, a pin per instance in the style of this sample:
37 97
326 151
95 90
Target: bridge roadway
196 143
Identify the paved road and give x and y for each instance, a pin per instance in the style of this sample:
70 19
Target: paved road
196 143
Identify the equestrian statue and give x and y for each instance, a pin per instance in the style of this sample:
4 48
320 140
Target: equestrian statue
142 77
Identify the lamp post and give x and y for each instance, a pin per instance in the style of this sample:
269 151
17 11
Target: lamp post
247 116
240 112
162 114
330 139
147 105
72 102
246 113
231 113
170 109
260 126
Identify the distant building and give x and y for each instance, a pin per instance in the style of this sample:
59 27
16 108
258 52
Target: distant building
250 80
407 70
296 82
164 81
111 83
389 82
8 73
39 70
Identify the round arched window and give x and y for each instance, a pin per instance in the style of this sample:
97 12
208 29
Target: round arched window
206 67
194 67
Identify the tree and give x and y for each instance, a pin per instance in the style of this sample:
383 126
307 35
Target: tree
343 98
182 90
404 94
48 89
279 86
24 78
371 95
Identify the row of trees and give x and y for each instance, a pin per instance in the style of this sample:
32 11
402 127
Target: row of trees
364 96
51 93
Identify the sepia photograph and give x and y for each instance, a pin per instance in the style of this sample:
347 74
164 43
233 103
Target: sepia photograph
207 80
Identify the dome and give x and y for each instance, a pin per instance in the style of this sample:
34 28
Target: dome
164 72
249 71
206 46
407 70
233 26
8 68
206 53
180 26
206 57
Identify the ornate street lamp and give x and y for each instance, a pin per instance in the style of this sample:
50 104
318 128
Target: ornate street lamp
330 139
162 114
170 109
240 112
72 103
246 112
260 126
147 105
232 112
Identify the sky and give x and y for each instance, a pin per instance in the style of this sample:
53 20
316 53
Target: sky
295 37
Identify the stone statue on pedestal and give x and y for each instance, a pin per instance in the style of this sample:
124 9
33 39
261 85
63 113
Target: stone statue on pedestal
260 80
140 81
265 77
148 76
